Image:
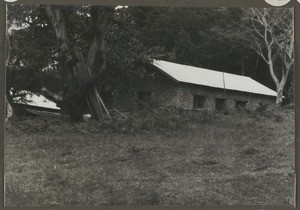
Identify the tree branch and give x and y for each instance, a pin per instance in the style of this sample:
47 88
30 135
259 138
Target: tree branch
59 25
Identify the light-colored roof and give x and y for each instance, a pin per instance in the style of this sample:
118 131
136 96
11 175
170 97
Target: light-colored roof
39 100
216 79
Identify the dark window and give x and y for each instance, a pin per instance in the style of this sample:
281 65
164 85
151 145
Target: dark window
199 102
240 104
262 107
143 99
220 104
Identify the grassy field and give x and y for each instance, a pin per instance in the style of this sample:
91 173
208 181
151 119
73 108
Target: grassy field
165 158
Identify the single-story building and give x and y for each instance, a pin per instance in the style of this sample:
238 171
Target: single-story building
191 88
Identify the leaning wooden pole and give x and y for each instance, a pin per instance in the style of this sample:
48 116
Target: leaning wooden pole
103 105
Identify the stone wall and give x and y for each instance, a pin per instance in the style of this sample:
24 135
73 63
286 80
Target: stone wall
166 92
163 94
185 94
230 104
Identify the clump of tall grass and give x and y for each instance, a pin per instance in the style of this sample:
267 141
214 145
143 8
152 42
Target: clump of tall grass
162 120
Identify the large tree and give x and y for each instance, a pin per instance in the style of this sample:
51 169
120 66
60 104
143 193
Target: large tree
91 50
272 37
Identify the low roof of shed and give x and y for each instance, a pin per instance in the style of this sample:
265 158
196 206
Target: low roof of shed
211 78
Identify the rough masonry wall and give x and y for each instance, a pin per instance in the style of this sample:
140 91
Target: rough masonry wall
230 104
185 94
163 94
166 92
163 90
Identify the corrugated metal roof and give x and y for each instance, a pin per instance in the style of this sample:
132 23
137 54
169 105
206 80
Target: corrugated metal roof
201 76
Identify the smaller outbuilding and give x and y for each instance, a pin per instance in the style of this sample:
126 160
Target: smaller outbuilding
192 88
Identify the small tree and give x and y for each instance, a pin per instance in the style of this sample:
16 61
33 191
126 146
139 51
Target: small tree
271 35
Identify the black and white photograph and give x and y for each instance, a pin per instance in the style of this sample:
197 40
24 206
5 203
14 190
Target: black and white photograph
147 105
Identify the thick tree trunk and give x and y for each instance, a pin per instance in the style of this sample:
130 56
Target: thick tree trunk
15 111
77 96
9 110
279 97
74 107
69 105
279 85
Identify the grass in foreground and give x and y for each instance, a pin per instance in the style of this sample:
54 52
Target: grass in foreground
165 158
